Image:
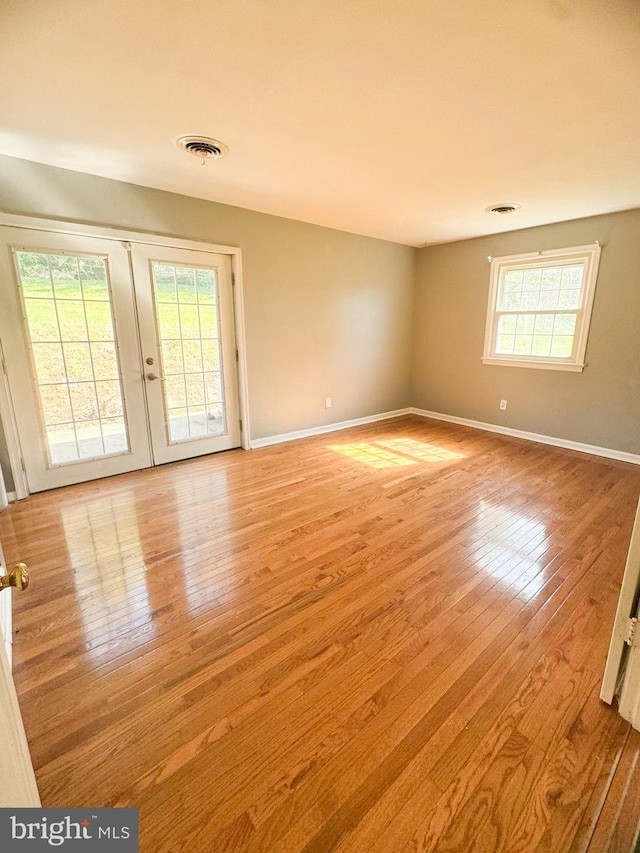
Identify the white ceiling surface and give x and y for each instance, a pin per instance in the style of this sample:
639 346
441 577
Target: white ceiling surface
400 119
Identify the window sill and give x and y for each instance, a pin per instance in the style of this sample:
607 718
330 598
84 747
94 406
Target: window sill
540 365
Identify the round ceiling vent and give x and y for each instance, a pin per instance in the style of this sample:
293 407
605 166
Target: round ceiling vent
504 207
203 147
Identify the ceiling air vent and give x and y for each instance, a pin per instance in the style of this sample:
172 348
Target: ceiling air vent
203 147
501 209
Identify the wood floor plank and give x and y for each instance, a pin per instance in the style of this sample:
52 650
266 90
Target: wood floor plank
387 639
615 824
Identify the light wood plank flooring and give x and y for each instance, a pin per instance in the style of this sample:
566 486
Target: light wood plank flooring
386 639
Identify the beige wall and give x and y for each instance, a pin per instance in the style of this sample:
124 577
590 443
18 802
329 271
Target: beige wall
327 313
599 406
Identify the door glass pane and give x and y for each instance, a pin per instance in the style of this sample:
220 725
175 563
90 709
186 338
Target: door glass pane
70 326
188 328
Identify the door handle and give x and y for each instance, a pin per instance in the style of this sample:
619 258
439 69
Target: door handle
152 377
17 577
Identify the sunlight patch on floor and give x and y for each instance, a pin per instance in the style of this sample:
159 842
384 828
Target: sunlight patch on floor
370 454
421 450
396 452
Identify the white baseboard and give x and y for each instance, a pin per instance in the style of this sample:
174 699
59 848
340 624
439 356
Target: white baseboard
12 497
320 430
593 449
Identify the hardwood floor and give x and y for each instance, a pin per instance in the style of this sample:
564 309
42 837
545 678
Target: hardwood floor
386 639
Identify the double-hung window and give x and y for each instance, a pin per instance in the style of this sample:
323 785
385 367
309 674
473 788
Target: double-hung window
540 308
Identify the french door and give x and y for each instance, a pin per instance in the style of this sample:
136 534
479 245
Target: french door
185 310
118 356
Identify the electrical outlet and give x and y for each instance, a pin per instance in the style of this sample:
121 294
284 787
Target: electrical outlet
327 402
503 405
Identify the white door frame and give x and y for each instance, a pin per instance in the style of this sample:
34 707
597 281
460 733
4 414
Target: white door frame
18 787
622 671
6 621
629 698
60 227
17 780
7 417
6 615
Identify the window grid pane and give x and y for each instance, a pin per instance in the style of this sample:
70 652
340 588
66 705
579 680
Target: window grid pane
188 326
538 335
70 326
541 288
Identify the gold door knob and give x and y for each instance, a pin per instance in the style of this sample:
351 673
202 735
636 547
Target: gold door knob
18 577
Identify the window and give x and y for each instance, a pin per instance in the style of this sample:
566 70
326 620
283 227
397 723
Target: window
540 308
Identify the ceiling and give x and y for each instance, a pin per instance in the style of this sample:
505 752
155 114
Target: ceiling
400 119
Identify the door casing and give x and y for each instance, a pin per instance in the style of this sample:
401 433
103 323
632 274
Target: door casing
57 227
622 670
18 787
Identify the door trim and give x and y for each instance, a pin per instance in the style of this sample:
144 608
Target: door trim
18 787
6 624
139 237
7 417
627 607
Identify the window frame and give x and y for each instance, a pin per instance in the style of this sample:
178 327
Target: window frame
589 256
